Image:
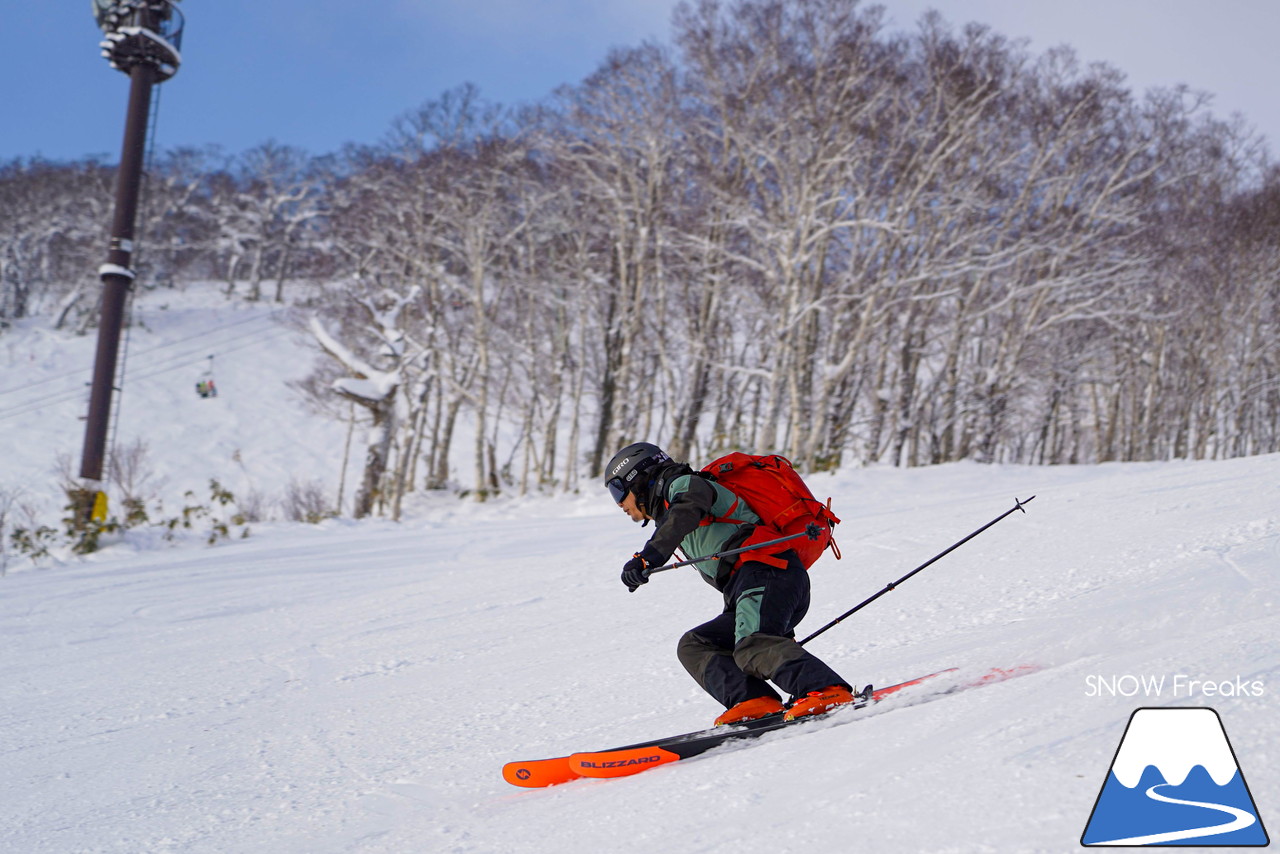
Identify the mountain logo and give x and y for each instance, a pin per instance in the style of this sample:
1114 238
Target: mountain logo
1175 781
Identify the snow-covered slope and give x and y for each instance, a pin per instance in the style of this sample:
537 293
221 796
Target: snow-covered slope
357 687
254 436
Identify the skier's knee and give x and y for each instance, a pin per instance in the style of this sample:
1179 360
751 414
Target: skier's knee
694 651
761 655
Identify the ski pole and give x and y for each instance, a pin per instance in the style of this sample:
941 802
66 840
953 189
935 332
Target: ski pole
1017 505
811 531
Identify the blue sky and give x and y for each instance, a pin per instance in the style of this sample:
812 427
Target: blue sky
322 73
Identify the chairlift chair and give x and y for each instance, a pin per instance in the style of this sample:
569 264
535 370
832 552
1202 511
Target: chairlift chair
205 386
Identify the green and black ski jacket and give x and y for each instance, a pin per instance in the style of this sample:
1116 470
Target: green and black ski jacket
683 508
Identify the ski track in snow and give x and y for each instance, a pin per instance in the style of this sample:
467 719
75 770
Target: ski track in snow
356 687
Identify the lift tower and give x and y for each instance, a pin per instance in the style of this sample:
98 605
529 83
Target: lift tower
142 39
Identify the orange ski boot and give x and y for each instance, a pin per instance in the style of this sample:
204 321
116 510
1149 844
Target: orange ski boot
749 710
817 702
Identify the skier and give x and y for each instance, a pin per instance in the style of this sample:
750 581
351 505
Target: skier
752 642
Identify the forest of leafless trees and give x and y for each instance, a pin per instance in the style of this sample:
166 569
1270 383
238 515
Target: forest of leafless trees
789 230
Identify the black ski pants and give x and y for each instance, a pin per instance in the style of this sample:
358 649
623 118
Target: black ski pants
752 642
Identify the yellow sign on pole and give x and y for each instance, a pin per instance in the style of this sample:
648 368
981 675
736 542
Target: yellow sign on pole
99 507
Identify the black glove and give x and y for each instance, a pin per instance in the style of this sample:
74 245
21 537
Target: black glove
641 563
635 572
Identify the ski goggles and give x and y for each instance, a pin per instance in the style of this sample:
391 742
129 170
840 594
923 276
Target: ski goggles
619 487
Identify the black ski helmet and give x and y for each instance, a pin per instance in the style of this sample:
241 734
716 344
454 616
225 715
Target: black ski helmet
623 474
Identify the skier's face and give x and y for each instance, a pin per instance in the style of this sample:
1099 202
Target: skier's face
629 506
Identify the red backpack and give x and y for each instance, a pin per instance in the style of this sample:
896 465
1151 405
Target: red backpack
774 490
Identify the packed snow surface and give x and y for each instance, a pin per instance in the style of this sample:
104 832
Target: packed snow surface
357 687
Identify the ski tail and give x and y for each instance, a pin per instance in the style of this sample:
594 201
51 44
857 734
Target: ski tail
1000 674
879 694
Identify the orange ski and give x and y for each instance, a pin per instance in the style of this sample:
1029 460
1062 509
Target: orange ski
625 761
539 773
621 763
634 758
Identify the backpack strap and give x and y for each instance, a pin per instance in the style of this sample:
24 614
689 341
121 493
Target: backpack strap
773 558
